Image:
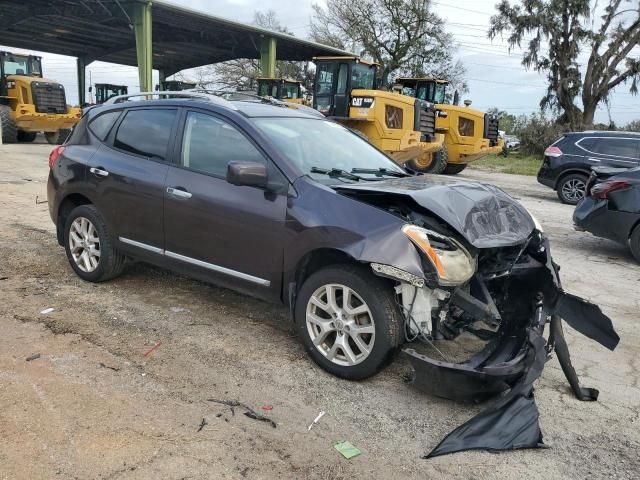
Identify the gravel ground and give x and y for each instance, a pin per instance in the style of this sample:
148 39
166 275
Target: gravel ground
94 406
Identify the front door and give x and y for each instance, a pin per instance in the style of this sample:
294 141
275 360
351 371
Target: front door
230 234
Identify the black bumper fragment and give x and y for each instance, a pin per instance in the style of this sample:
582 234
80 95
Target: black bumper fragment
514 360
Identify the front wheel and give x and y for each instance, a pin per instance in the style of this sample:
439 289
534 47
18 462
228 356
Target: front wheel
431 162
26 137
454 168
348 321
571 188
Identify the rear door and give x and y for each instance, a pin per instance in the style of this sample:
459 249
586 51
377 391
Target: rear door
229 234
128 173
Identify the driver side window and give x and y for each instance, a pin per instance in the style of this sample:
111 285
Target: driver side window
210 143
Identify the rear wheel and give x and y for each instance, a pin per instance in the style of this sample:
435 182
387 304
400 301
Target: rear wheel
571 188
430 162
8 128
26 136
634 243
348 321
454 168
63 135
90 247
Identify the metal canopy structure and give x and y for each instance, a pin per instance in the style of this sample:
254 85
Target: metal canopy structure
143 33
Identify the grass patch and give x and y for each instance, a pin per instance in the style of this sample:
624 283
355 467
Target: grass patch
514 163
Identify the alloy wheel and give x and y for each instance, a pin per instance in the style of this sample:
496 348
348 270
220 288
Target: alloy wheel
340 324
84 244
574 189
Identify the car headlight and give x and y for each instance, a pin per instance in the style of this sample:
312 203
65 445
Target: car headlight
453 263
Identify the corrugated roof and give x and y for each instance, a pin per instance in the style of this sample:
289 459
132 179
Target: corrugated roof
101 30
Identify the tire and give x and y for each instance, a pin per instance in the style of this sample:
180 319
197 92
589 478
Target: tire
454 168
634 243
8 128
382 338
26 136
438 162
110 262
567 186
63 135
52 137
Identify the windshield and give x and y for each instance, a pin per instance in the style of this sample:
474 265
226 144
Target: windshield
310 143
362 76
16 65
290 90
439 95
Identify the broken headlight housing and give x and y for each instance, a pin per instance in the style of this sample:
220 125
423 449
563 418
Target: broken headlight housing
452 262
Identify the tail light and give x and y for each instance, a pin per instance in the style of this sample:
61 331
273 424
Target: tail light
54 155
602 190
552 152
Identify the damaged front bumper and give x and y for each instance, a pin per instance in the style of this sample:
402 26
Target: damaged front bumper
514 356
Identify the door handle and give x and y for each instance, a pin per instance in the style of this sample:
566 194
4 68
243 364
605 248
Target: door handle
99 172
178 192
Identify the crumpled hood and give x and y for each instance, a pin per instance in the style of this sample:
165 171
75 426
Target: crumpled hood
482 213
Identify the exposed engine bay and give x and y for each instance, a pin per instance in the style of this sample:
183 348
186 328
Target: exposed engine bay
488 272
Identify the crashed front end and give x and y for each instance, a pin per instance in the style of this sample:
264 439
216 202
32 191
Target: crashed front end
487 272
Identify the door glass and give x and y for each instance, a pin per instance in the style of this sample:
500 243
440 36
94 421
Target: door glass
325 78
209 144
342 79
101 125
619 147
146 132
362 76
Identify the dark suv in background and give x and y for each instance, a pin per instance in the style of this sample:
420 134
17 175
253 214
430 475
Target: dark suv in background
567 163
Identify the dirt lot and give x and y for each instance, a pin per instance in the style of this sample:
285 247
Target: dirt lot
92 406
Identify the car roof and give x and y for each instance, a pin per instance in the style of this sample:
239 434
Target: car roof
604 133
248 108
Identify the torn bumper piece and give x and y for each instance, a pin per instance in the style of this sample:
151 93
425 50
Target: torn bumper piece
513 361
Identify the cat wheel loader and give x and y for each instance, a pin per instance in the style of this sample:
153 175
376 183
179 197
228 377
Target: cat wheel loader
105 91
30 104
402 126
469 133
175 86
281 89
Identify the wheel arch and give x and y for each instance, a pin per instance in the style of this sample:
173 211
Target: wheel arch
67 205
570 171
307 265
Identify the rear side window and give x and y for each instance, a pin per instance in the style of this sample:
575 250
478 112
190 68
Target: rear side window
102 124
146 132
619 147
209 144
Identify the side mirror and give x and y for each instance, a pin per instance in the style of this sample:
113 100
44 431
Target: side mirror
249 174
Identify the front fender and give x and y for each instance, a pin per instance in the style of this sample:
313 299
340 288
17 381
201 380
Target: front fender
365 233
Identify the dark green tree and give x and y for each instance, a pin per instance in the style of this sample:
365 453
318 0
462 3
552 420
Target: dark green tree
556 32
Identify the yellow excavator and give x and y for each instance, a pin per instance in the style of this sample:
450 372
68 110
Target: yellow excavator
30 104
283 89
404 127
469 133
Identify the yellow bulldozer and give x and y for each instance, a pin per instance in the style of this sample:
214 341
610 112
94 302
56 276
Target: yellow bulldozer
30 104
469 133
283 89
404 127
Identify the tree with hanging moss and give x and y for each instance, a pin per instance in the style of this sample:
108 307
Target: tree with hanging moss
556 32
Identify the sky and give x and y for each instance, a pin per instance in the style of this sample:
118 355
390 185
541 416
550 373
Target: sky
494 73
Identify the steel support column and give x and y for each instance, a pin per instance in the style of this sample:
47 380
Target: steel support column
142 22
268 57
81 66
